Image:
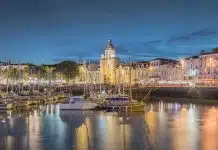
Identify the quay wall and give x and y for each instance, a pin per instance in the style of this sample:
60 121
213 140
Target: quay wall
139 93
179 92
203 93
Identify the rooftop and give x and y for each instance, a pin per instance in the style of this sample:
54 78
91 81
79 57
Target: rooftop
192 57
214 51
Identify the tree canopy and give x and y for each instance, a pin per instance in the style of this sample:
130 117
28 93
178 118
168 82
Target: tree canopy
69 69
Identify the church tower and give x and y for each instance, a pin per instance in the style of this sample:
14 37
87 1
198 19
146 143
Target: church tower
108 64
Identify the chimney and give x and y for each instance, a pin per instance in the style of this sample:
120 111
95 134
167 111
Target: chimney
201 52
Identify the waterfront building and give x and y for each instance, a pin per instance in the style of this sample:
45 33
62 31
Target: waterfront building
161 69
141 70
209 66
200 68
191 68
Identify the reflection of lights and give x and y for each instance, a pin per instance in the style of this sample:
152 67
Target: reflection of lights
121 119
169 106
183 109
52 109
192 116
57 109
47 109
151 109
176 106
3 121
161 107
82 137
210 127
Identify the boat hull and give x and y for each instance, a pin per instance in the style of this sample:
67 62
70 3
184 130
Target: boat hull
78 106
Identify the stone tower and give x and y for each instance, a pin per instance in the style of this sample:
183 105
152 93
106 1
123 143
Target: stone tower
108 64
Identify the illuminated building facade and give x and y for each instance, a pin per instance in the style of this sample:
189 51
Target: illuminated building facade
192 68
108 64
160 70
202 68
209 65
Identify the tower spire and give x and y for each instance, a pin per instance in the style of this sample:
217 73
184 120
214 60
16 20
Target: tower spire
109 38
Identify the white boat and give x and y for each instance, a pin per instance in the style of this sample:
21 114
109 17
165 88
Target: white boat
78 103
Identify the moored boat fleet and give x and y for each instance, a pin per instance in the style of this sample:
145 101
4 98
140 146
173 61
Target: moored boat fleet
22 102
110 103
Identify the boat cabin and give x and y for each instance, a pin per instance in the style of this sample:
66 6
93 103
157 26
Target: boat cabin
117 100
74 99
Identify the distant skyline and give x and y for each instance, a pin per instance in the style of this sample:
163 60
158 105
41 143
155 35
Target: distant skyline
49 31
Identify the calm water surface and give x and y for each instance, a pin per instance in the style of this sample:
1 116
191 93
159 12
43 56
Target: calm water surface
163 126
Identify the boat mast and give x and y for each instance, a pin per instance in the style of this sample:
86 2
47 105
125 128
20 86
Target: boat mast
124 80
130 77
100 89
84 77
119 84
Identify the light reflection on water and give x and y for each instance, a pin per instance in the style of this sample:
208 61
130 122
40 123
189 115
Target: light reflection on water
168 126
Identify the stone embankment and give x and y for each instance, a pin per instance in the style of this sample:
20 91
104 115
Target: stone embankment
179 94
193 93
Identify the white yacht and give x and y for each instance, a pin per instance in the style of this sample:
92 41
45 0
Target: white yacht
78 103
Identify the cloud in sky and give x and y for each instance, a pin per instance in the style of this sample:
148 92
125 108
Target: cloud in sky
48 30
173 47
195 35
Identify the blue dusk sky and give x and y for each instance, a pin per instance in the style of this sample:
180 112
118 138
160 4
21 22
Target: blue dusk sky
49 31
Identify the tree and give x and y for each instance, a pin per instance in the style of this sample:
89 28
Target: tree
12 75
48 71
69 69
25 73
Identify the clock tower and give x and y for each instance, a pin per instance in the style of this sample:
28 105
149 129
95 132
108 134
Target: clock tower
108 64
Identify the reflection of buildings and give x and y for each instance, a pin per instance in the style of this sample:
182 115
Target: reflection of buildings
185 130
34 130
168 128
14 133
158 132
209 132
82 137
173 128
107 133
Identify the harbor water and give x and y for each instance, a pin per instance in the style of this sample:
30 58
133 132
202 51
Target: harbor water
163 126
